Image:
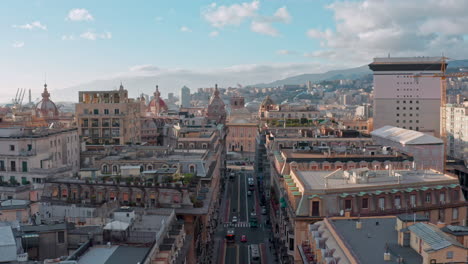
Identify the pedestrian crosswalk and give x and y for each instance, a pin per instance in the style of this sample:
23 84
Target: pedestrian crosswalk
239 224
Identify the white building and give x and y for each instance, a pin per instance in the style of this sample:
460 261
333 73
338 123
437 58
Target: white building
456 130
428 151
31 155
185 97
403 99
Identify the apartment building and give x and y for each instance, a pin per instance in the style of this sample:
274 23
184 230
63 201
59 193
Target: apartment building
456 130
305 197
31 155
109 117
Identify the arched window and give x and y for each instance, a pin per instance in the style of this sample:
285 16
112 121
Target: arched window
150 167
115 169
204 146
192 145
192 168
180 145
105 169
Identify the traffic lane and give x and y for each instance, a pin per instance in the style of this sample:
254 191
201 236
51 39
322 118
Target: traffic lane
243 200
234 199
231 254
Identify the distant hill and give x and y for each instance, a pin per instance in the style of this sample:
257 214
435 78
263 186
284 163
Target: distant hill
352 73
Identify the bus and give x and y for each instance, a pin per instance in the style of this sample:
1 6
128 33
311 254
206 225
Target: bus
254 253
253 220
230 237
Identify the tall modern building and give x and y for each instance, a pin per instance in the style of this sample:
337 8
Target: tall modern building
185 97
405 94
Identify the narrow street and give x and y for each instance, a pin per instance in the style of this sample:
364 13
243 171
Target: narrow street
237 203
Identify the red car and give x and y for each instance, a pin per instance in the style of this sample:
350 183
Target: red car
243 238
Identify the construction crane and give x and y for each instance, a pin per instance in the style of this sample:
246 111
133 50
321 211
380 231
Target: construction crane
443 75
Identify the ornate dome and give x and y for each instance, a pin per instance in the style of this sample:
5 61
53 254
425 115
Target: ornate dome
157 104
46 108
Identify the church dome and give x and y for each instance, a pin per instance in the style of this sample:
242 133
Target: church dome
46 108
157 104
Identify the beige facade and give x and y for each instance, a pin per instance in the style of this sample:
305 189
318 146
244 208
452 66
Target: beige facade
241 136
30 156
109 117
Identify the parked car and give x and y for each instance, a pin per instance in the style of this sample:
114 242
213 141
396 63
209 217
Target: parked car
234 219
249 193
244 238
264 211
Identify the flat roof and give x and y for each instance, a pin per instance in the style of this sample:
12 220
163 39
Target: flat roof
114 255
406 136
304 155
369 243
316 180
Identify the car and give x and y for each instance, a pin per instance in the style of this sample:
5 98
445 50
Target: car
264 211
243 238
234 219
249 193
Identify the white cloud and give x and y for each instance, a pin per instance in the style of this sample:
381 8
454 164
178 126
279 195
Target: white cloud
282 15
264 28
185 29
90 35
18 44
68 37
33 25
79 14
221 16
159 19
286 52
366 29
214 34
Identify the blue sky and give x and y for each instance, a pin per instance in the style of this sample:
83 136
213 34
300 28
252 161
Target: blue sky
75 42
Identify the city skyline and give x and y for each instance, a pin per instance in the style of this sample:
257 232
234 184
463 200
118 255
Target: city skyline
74 43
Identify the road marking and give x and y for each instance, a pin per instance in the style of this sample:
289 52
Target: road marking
238 195
246 202
237 255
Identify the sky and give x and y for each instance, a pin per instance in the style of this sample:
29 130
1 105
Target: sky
69 43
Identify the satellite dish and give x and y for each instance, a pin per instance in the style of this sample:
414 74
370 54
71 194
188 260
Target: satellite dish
341 212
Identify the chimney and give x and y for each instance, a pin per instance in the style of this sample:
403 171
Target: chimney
358 225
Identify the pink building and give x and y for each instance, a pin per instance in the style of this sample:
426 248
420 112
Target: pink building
428 151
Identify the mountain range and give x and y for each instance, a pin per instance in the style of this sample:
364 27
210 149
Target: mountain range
352 73
173 81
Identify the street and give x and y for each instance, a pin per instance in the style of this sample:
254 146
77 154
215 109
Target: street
238 203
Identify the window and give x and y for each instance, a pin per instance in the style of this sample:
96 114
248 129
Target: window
13 165
413 200
365 203
348 204
106 111
455 213
442 197
29 147
61 237
417 108
85 111
2 165
455 196
398 108
96 111
449 254
116 111
25 166
397 202
382 203
12 147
